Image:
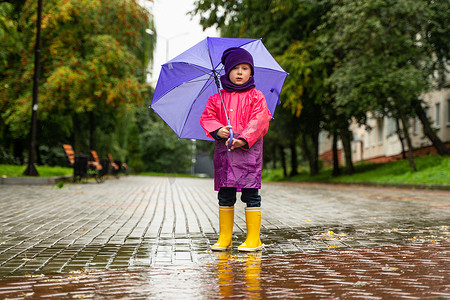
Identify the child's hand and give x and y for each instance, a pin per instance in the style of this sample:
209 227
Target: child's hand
237 143
224 132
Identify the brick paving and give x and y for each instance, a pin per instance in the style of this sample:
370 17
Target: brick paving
169 224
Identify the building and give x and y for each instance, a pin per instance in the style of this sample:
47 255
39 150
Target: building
380 142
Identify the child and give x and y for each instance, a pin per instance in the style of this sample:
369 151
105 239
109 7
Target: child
240 168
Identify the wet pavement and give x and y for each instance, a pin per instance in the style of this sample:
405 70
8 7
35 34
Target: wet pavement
150 237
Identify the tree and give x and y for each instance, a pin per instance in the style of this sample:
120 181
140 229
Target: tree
436 32
305 89
8 34
285 27
384 62
379 67
94 57
161 150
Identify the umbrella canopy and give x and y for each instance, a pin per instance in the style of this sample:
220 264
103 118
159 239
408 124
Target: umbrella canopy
188 80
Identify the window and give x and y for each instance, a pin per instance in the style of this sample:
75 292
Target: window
415 126
321 136
372 137
437 114
448 111
390 127
366 139
380 131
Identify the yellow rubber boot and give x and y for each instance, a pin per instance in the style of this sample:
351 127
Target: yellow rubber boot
253 220
226 222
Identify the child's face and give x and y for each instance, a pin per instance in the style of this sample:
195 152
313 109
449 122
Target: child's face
240 74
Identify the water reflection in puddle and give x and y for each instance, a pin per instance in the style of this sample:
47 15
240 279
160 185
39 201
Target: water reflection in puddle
413 270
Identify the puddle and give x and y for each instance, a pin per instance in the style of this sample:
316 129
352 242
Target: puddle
413 270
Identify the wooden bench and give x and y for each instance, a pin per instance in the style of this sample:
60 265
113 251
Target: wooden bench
99 164
69 153
96 163
82 167
114 167
123 167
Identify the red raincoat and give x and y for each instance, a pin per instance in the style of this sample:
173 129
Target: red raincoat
249 117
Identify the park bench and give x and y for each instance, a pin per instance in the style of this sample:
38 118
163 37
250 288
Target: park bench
82 167
114 167
102 162
123 167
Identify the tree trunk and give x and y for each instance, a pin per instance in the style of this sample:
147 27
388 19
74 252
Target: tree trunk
274 157
314 165
399 133
38 157
283 160
310 155
18 148
76 134
440 147
408 141
294 163
336 170
344 133
91 130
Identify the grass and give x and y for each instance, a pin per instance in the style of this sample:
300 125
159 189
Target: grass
167 174
432 170
44 171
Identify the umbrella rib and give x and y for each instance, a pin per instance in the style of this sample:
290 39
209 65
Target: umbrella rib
199 94
197 80
189 81
194 66
204 89
206 86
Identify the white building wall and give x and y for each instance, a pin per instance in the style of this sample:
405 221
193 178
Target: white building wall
382 140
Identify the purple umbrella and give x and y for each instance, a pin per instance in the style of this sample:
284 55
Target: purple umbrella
188 80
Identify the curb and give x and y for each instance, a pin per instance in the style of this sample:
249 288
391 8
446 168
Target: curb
33 180
385 184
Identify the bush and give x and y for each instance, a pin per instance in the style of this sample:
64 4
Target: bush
6 158
52 156
432 170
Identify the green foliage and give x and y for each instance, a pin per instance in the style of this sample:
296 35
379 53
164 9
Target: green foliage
346 58
432 170
8 34
161 149
286 28
379 56
52 156
44 171
94 61
59 185
6 158
437 31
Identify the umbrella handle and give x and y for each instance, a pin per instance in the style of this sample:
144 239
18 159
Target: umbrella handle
231 135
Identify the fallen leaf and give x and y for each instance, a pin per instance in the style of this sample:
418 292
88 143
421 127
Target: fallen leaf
360 283
28 294
387 268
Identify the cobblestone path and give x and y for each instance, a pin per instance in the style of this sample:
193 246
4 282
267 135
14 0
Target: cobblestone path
136 223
